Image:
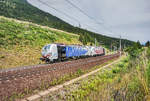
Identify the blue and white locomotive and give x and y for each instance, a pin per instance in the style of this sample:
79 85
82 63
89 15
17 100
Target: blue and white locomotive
58 52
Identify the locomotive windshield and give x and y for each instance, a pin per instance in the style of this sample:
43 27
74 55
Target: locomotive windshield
46 47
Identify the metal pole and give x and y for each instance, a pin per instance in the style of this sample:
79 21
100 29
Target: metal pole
79 25
125 44
95 42
120 45
111 47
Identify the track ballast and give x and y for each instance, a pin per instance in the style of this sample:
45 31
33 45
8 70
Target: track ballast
32 77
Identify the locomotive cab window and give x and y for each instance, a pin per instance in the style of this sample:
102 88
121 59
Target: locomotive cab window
46 47
61 51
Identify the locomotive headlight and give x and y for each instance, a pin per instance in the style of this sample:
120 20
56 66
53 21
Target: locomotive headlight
49 55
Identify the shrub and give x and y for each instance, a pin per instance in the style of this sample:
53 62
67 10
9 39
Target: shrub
125 60
121 65
116 70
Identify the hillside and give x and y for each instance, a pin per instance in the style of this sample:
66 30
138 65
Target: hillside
22 10
21 42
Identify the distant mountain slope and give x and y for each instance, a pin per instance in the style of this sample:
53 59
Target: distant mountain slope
22 10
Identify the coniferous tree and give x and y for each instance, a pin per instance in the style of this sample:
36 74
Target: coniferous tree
138 44
147 44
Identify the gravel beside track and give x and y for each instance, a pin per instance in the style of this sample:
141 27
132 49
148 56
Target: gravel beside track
15 81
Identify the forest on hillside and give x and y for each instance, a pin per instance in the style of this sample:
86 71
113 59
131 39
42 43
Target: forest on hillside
22 10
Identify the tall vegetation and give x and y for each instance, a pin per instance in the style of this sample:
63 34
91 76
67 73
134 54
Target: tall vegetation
128 80
134 50
140 58
22 10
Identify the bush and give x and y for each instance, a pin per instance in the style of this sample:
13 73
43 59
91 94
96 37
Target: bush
125 60
134 50
116 70
121 65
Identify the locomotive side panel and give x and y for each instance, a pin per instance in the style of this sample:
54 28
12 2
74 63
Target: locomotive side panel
75 51
52 52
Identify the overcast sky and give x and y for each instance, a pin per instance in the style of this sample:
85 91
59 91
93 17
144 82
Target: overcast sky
128 18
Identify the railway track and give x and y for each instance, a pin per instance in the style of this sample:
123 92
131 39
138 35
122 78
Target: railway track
16 80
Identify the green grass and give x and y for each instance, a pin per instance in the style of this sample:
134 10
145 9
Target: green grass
96 83
21 43
127 80
14 33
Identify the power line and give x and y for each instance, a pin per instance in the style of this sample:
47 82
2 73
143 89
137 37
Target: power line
74 18
82 11
97 22
58 11
64 13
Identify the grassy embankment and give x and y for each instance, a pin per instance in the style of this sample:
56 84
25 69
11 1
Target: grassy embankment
128 80
21 42
84 90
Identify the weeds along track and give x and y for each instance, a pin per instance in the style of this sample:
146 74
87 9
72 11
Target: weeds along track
25 79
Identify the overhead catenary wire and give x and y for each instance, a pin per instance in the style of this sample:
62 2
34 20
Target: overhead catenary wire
83 12
72 18
90 17
58 10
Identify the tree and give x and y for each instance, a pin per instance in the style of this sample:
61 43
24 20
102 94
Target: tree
138 45
82 39
147 44
134 50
